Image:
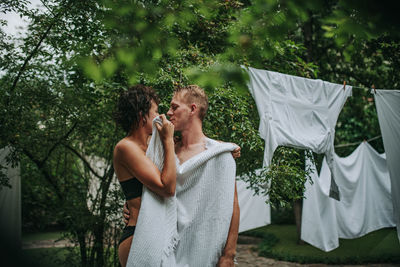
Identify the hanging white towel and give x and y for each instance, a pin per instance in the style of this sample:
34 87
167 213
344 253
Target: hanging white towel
388 108
254 212
191 228
365 204
297 112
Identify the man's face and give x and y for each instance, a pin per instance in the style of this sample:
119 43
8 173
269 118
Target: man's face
179 111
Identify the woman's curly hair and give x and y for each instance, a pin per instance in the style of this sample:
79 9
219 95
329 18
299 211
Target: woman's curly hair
133 104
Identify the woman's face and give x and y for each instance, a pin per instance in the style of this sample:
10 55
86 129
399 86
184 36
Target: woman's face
153 112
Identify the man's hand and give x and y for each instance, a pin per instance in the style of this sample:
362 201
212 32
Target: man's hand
126 213
225 261
236 153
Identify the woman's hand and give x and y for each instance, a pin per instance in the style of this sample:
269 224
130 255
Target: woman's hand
166 130
126 213
236 153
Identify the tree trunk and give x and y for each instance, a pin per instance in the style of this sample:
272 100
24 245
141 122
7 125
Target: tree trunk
99 230
297 208
82 247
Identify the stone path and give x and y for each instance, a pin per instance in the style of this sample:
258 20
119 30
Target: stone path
246 255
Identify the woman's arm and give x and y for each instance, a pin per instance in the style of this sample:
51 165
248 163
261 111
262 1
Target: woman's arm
134 159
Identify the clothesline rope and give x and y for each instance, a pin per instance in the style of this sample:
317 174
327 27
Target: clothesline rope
357 143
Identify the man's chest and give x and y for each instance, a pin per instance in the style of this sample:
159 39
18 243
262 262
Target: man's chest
185 154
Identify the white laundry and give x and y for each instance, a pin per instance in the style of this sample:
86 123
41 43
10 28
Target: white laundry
388 108
297 112
365 204
191 228
254 212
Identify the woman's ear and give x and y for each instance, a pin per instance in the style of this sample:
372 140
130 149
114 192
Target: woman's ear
142 119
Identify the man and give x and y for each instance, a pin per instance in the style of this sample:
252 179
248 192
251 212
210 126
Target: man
187 111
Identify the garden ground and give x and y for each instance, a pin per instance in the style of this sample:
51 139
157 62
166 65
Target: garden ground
246 253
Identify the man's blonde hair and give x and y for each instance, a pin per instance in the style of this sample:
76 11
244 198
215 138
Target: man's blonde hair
194 94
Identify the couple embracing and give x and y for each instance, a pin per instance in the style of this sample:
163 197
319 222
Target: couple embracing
181 196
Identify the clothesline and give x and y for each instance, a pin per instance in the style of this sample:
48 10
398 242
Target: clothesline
372 90
363 88
357 143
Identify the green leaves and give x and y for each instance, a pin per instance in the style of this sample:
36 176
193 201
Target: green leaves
283 181
218 75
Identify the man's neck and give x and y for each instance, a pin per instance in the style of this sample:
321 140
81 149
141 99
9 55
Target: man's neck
192 143
192 135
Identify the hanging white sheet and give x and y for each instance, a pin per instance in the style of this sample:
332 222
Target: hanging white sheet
254 212
388 108
10 204
365 204
297 112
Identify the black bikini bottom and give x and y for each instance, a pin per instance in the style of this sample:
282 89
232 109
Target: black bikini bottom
127 232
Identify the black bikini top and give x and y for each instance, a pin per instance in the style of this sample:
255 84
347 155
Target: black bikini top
132 188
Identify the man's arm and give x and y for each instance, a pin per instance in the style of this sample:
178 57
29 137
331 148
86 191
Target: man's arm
229 252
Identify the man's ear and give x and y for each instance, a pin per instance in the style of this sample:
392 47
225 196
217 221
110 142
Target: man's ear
193 108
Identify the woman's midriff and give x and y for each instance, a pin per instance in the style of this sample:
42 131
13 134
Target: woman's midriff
134 207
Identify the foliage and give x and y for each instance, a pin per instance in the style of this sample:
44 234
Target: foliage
283 181
57 122
362 20
47 257
59 82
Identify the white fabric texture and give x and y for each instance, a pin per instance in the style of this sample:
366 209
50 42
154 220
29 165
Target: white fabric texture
388 108
10 204
365 204
191 228
297 112
205 192
156 233
254 212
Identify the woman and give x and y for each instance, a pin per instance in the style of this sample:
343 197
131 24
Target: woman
135 112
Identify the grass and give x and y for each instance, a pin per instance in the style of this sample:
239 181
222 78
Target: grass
48 257
380 246
41 236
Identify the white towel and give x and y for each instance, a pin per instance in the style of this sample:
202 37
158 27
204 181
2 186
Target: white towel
156 232
205 191
191 228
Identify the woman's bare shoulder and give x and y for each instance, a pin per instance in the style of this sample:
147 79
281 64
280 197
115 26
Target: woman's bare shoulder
126 146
